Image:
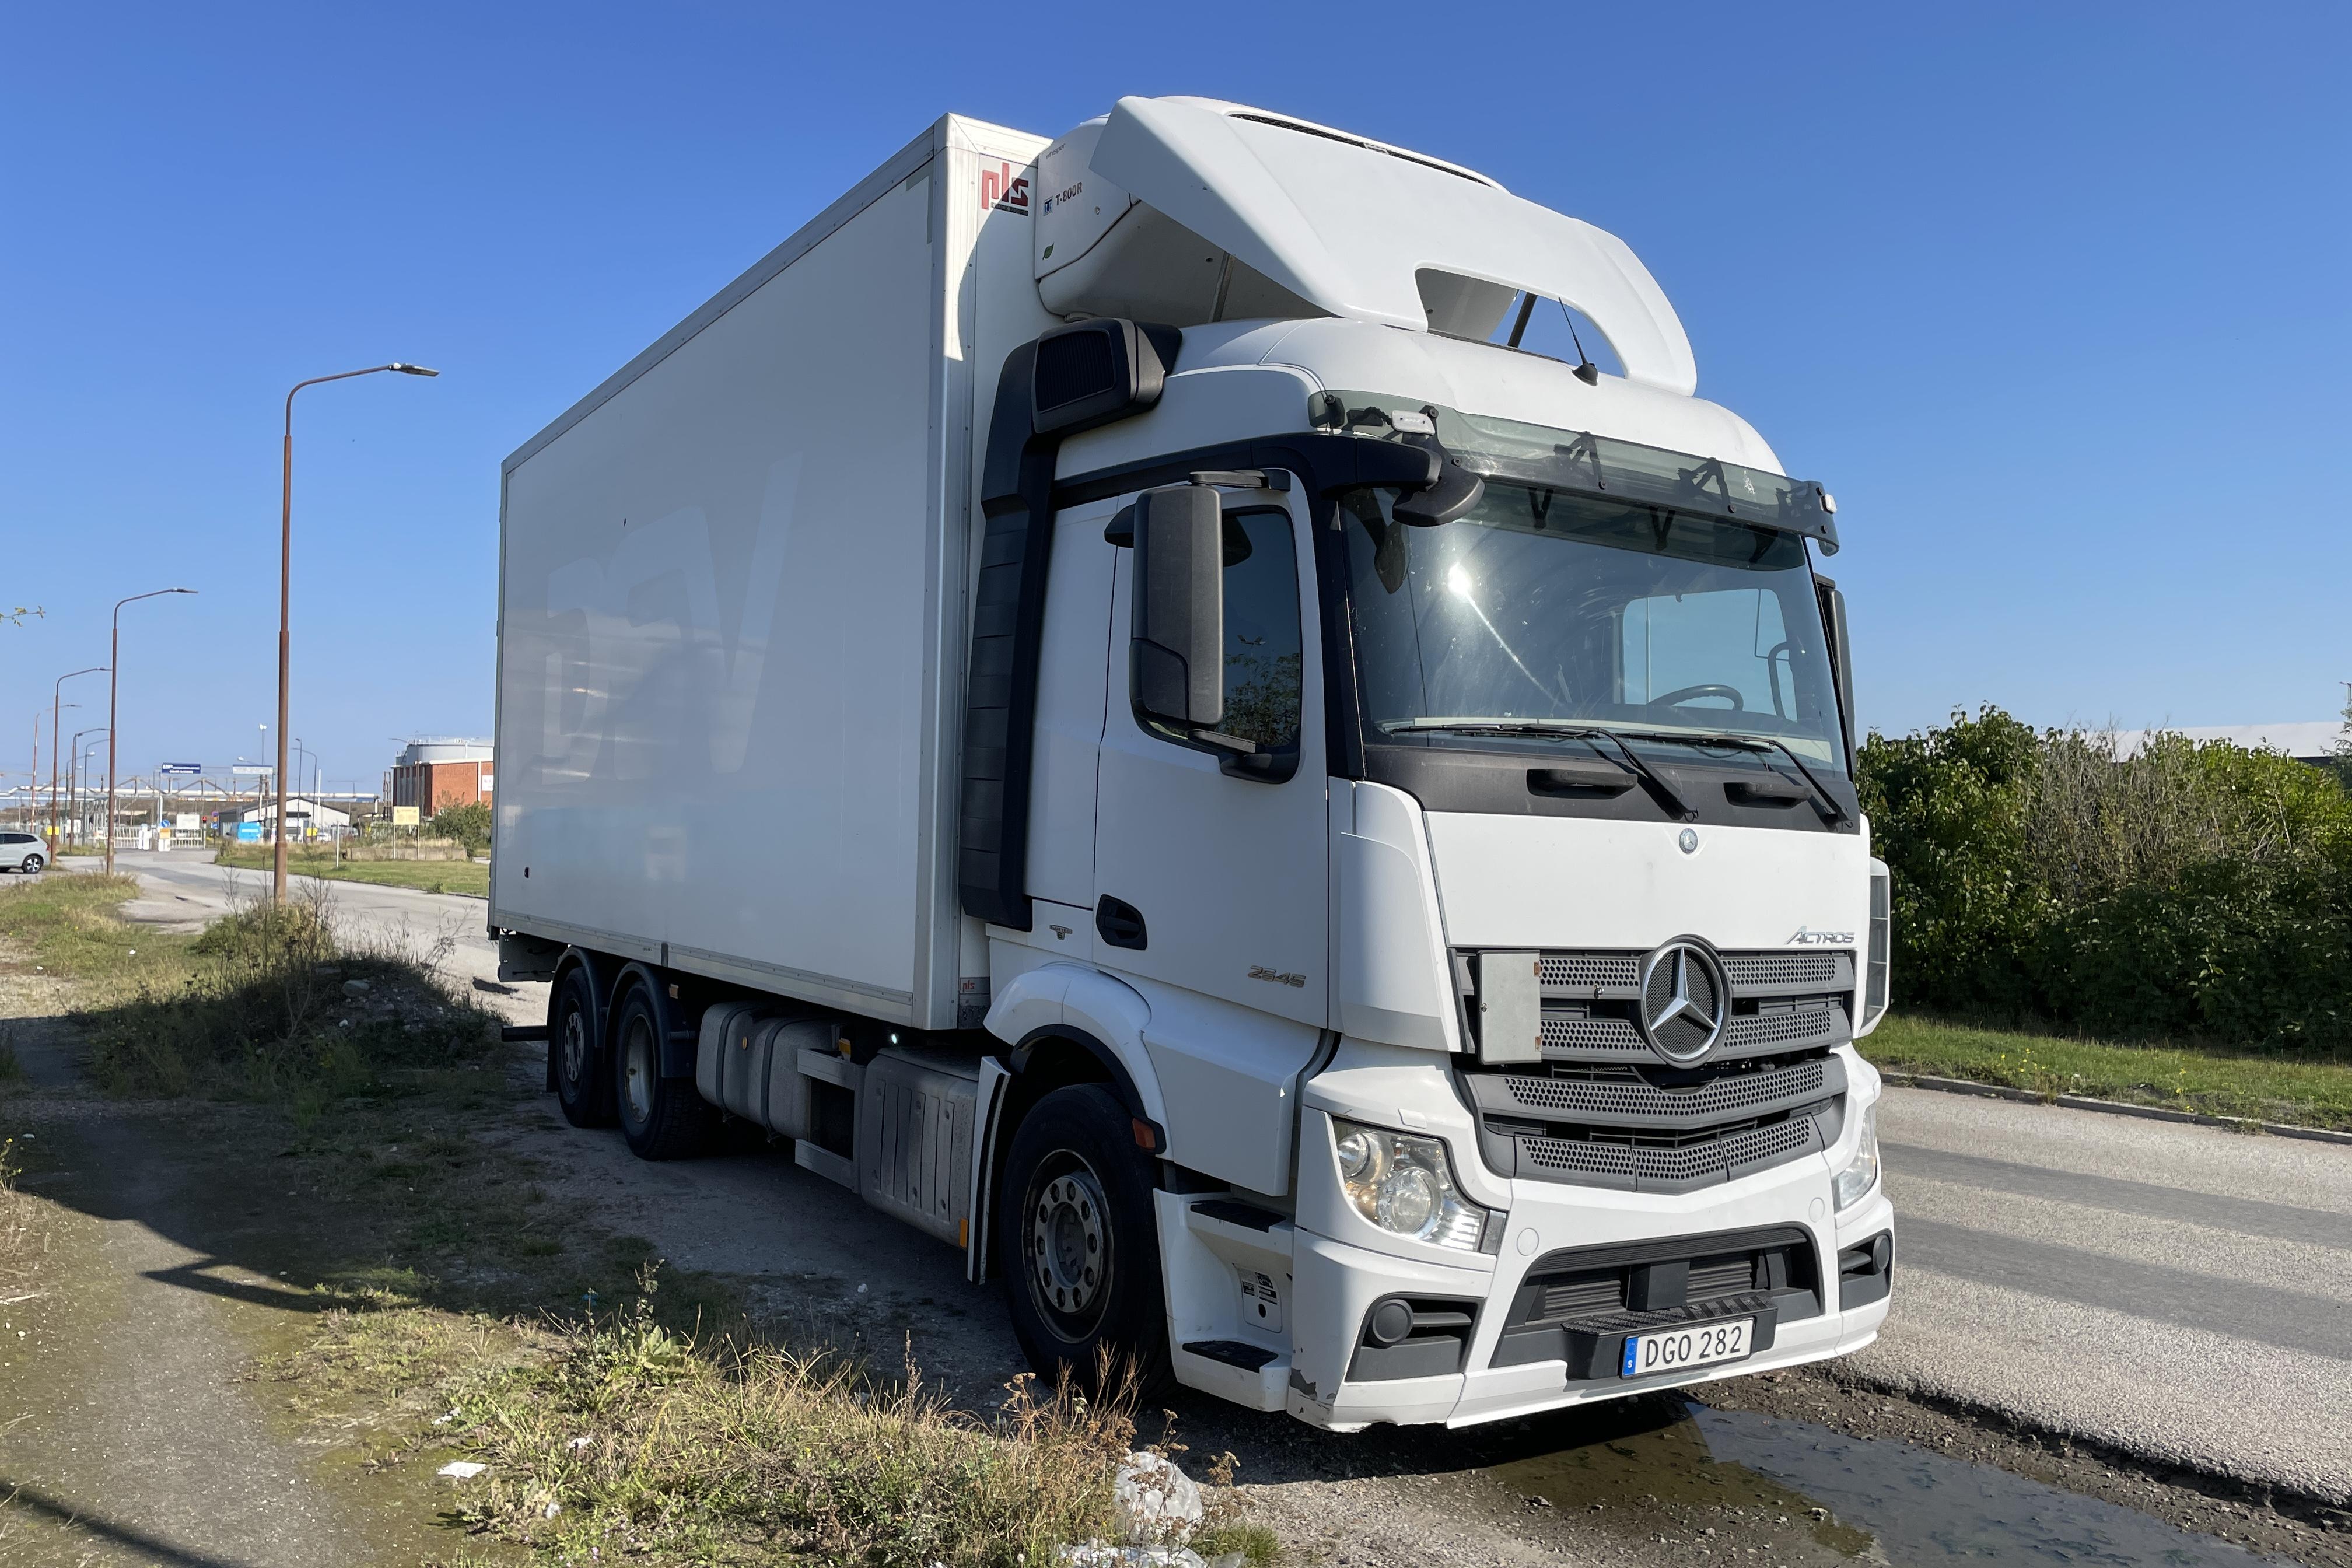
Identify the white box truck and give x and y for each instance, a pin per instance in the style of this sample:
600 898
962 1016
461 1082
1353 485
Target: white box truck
1104 692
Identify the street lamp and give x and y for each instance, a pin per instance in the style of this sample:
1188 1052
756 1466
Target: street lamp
55 709
286 599
78 778
33 779
114 660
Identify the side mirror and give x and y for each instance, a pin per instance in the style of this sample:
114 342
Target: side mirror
1177 653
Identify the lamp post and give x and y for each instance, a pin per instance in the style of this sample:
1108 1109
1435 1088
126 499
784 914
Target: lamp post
286 600
113 681
33 778
302 751
78 778
56 708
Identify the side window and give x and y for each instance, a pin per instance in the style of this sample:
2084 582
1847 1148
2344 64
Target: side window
1262 630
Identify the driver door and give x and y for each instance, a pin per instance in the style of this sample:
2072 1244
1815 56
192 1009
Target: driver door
1212 879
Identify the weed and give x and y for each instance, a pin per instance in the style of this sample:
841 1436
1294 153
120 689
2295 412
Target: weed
622 1435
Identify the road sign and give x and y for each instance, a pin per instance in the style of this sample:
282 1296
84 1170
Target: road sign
246 770
404 816
249 833
189 769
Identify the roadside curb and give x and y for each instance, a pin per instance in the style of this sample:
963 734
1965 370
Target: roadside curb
2111 1107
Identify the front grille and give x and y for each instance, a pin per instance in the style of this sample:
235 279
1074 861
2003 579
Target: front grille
1601 1108
1614 971
1625 1095
1752 970
1654 1166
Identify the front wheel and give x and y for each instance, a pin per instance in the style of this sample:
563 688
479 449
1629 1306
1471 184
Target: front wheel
1079 1245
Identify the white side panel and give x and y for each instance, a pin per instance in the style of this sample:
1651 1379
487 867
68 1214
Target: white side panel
1569 882
714 665
1389 940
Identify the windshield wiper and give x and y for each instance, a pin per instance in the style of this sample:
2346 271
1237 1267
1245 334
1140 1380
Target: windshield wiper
1824 801
1666 793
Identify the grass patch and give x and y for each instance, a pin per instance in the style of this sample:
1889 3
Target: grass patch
266 1004
464 1313
2247 1085
465 877
621 1436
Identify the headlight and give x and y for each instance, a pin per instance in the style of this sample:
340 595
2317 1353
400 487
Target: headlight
1404 1185
1861 1172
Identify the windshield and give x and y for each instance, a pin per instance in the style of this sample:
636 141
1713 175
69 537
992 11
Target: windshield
1541 607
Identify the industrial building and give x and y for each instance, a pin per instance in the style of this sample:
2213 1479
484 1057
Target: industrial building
434 773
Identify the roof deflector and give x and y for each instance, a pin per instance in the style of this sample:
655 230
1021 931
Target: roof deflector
1346 226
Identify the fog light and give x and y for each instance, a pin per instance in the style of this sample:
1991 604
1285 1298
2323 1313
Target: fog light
1404 1185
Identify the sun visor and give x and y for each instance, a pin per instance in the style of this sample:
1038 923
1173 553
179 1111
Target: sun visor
1348 227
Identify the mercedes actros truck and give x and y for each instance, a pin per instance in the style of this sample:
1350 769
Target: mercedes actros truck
1106 692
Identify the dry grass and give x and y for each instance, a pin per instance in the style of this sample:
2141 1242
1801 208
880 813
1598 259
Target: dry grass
261 1005
619 1438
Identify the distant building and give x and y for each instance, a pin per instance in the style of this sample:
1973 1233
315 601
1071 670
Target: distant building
434 773
2312 742
307 815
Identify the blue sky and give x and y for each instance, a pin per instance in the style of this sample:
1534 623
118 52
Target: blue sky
2052 298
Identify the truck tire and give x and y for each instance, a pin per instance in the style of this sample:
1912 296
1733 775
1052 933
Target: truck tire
574 1050
1079 1245
662 1118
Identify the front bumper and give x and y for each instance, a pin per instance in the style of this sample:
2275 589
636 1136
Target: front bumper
1336 1284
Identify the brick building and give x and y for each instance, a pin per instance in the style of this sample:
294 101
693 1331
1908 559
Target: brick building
434 773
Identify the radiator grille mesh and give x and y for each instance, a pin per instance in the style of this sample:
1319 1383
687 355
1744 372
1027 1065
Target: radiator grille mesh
1688 1162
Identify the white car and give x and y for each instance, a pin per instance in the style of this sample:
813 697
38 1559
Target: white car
24 852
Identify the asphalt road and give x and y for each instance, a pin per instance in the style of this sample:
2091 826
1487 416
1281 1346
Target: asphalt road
2181 1293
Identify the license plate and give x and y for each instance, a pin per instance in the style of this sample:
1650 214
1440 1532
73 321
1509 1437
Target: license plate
1679 1348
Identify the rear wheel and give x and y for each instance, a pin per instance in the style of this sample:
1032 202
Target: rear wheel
662 1118
1080 1245
32 866
573 1050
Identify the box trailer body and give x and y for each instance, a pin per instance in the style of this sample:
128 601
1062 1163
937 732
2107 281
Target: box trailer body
1097 693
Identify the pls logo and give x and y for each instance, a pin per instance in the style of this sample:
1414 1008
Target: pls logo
1001 190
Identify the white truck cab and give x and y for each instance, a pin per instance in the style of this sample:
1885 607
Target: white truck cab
1100 692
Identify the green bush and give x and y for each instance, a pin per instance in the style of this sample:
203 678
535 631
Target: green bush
2188 890
469 825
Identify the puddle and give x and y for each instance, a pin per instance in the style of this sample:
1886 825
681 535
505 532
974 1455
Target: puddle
1776 1491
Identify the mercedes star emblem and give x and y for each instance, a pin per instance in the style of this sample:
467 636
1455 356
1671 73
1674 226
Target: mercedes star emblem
1689 839
1686 1001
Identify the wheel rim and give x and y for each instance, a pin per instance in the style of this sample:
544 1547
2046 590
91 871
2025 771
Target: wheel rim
637 1070
575 1047
1066 1244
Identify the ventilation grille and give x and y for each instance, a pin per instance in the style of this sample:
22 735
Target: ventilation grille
1072 366
1752 970
1631 1096
1695 1164
1873 996
1591 971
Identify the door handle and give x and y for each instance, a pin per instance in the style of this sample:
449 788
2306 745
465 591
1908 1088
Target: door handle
1119 923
